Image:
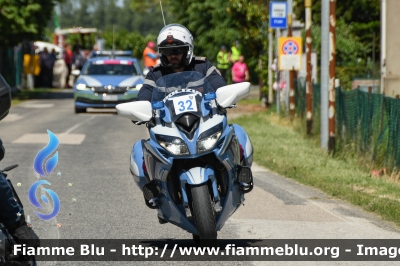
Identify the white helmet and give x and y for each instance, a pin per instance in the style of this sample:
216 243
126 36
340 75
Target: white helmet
176 36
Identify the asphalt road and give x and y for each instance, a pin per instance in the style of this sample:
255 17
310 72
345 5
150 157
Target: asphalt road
99 199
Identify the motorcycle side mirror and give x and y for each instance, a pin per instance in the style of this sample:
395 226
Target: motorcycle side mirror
137 111
231 94
8 168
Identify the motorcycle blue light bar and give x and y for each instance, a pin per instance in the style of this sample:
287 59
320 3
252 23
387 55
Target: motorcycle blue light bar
157 105
210 96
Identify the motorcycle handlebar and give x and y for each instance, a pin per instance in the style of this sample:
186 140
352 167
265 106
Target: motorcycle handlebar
8 168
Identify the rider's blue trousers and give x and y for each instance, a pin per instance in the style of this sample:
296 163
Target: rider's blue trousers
10 211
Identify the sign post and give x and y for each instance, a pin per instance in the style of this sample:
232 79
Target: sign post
289 52
278 15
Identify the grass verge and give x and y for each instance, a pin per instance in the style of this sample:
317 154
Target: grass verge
281 147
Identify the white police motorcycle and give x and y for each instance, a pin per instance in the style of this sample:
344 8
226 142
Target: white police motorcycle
195 168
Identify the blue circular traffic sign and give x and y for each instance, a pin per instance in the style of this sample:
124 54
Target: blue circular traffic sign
290 47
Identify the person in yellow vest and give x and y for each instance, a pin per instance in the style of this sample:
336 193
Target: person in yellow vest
233 56
223 61
150 57
234 53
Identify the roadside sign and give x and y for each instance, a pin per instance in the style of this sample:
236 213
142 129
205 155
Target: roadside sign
290 51
278 15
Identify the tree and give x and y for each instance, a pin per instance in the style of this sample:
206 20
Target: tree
209 22
147 16
104 14
358 22
23 20
251 17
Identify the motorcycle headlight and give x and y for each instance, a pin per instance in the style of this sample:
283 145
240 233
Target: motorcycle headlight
209 138
81 86
173 144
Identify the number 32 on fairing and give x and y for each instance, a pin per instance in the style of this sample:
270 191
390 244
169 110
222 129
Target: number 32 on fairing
186 103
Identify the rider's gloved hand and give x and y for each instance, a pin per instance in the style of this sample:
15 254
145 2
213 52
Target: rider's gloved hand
23 234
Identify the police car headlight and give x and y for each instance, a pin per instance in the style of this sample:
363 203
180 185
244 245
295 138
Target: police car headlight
81 86
135 87
174 145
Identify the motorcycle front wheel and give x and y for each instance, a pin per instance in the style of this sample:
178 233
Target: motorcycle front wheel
204 216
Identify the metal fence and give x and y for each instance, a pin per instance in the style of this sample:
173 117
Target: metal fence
11 65
369 121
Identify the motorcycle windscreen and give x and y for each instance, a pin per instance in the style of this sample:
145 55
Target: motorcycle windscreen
182 93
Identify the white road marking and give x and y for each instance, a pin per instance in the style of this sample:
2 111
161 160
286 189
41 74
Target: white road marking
12 118
64 138
328 211
78 125
43 138
36 105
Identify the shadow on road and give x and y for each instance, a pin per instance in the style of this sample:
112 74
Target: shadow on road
44 94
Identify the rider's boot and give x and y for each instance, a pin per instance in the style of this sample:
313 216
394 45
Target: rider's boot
23 234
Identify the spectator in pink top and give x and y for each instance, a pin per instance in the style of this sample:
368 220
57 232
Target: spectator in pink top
240 72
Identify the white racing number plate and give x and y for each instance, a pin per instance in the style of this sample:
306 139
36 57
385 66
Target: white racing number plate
110 98
186 103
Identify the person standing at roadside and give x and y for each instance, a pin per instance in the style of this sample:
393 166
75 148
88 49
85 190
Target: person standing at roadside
67 56
78 60
234 53
240 71
223 61
46 68
51 63
150 57
93 52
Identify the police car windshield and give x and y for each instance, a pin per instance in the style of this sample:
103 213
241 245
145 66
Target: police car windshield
110 67
190 80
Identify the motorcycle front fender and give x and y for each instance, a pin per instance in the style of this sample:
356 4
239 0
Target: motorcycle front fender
198 176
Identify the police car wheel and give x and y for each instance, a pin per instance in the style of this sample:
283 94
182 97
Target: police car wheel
79 110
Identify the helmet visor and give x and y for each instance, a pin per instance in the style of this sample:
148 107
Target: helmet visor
173 51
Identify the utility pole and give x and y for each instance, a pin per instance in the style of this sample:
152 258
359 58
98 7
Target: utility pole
383 45
324 72
332 67
270 60
309 99
278 93
292 72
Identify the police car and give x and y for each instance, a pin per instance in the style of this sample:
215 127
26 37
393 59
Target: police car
105 82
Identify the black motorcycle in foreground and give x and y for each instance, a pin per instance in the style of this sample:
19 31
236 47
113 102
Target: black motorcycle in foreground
7 258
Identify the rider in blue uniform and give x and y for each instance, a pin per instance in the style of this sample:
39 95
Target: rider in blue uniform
175 45
11 214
